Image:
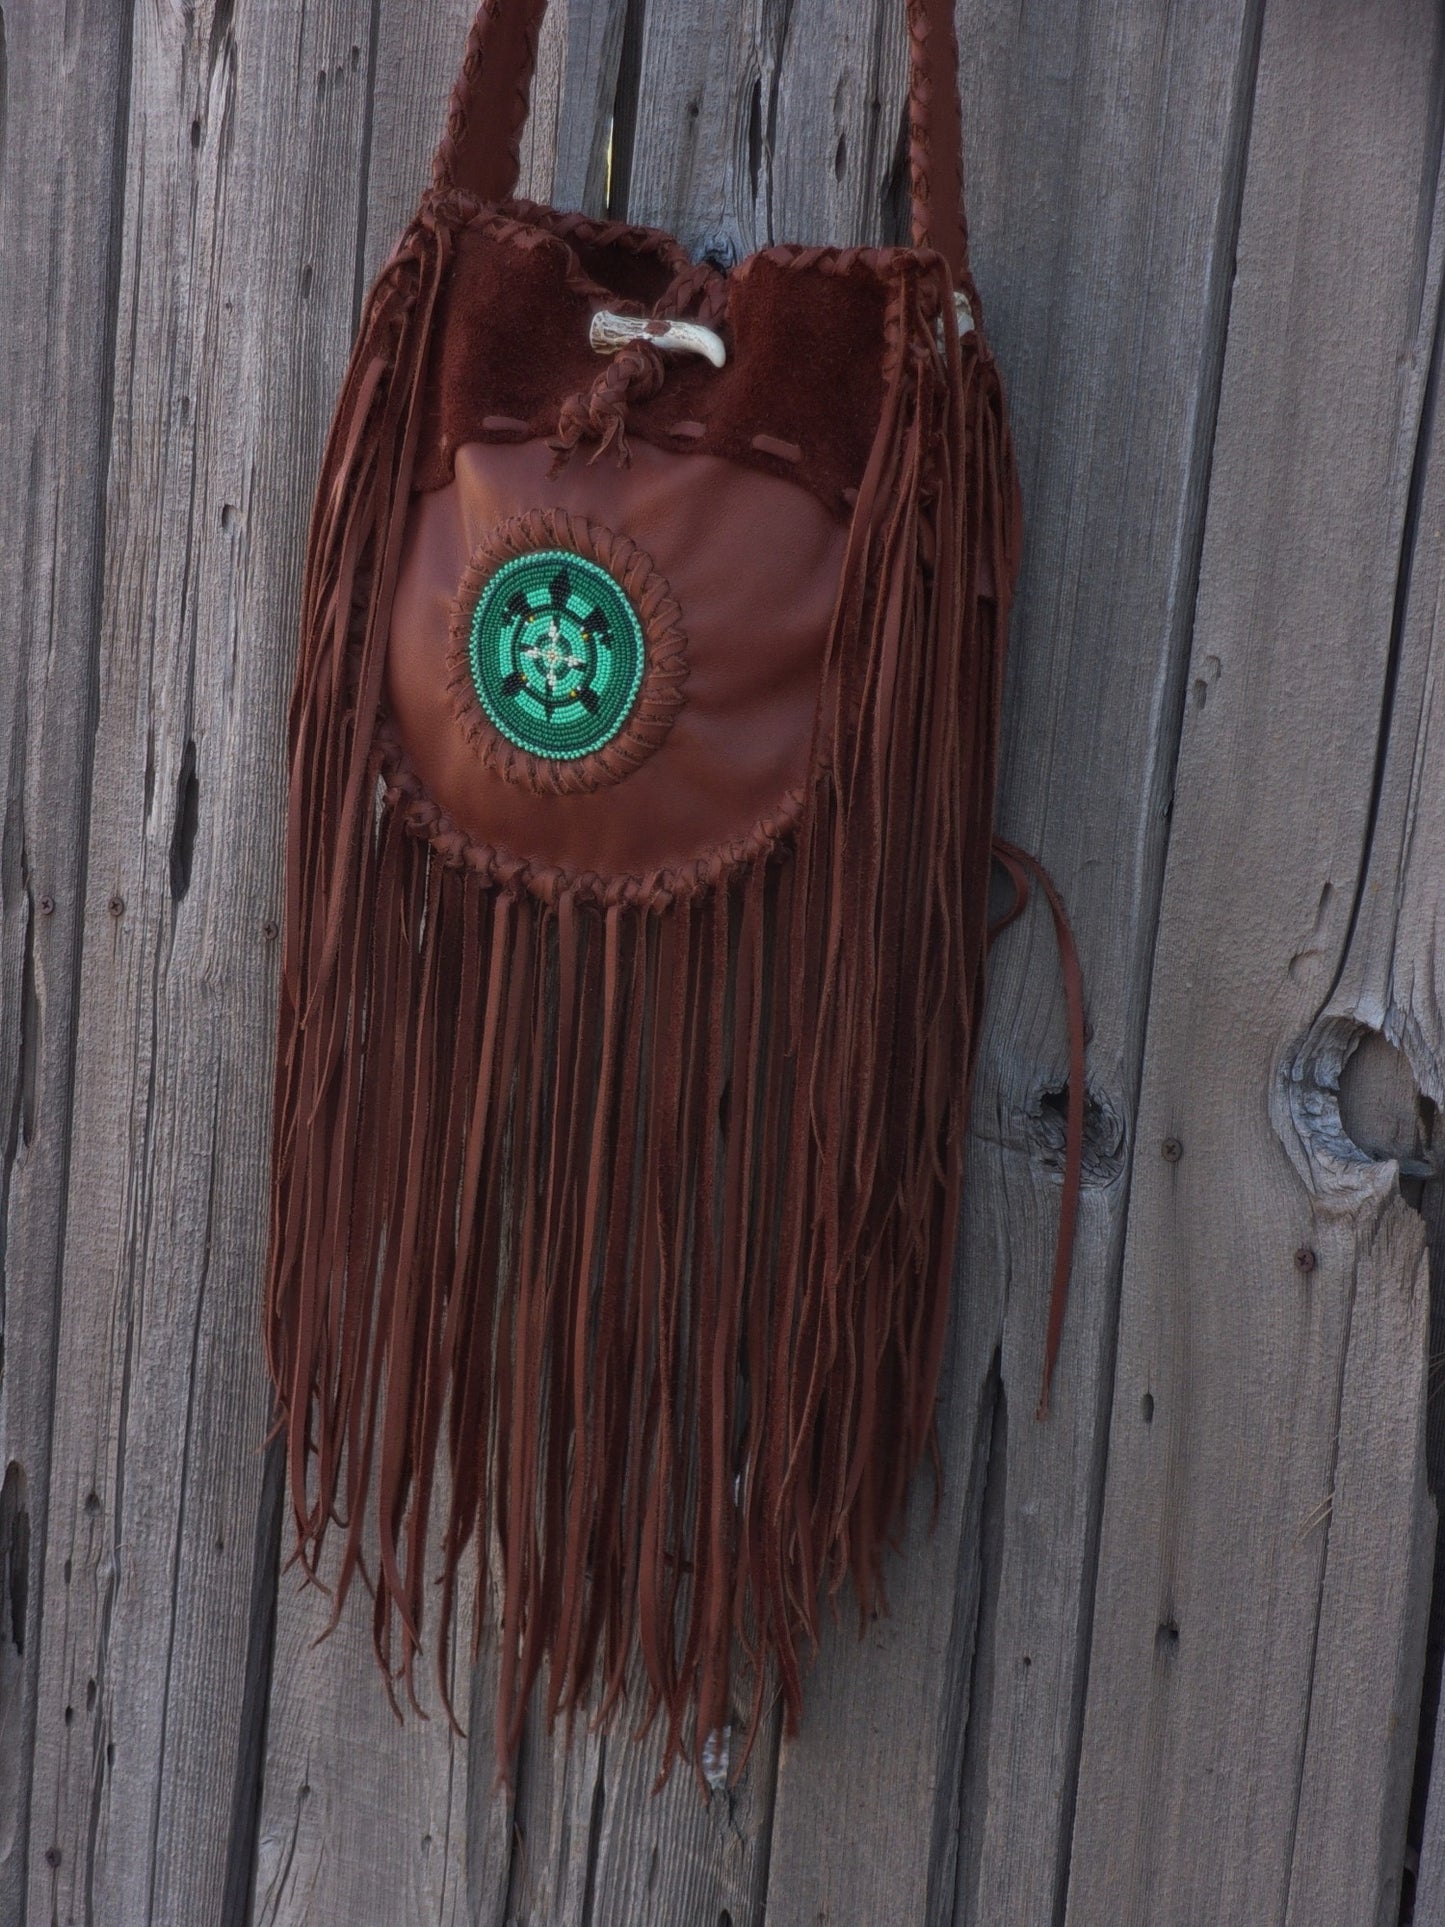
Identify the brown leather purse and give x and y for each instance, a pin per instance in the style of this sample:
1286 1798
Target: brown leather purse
642 753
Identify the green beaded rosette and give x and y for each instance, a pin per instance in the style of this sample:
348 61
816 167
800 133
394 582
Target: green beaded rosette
556 652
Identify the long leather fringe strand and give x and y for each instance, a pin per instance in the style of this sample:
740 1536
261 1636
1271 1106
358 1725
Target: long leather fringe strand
644 1217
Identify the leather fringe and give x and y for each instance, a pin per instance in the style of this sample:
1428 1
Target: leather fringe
642 1215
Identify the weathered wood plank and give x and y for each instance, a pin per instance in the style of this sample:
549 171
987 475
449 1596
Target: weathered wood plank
431 1835
1103 158
695 163
1378 1525
362 1820
666 1857
60 162
1422 1156
243 129
832 89
362 1816
1267 1303
1386 1009
418 50
1430 1882
564 147
552 1873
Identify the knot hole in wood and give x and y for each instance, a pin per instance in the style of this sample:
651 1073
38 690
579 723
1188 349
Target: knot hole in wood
1044 1131
1356 1105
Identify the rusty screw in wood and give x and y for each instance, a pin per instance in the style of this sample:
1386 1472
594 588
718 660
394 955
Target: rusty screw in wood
116 906
270 929
1305 1258
1171 1150
47 906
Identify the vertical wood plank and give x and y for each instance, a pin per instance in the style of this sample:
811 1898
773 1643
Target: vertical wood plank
1400 938
1430 1885
364 1816
62 89
831 166
418 50
1367 1083
1103 151
565 147
1378 1525
667 1857
1256 1284
552 1876
1105 171
431 1837
243 128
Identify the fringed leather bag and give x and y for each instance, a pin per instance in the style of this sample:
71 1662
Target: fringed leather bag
642 777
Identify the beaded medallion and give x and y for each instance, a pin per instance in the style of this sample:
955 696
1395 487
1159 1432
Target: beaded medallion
557 654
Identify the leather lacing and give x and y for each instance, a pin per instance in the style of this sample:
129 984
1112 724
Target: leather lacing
1020 866
634 373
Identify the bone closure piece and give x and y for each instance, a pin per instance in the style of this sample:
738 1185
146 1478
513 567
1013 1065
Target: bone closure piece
609 332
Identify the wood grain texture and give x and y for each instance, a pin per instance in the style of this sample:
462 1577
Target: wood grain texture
365 1816
61 160
1430 1882
1349 1851
1262 1270
1403 920
694 166
1385 1019
417 53
564 146
234 119
430 1836
1104 153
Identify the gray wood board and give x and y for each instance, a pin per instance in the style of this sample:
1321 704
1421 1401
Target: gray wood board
364 1816
61 157
1103 156
1254 1582
243 127
1386 1013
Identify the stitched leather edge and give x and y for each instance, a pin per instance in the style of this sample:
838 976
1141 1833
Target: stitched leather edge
532 224
656 890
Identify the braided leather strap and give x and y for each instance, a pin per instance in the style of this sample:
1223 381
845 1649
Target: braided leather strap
480 152
935 134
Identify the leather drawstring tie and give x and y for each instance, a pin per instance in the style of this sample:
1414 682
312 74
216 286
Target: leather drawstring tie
634 373
636 369
1020 866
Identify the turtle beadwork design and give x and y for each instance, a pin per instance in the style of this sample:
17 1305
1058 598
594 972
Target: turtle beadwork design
557 654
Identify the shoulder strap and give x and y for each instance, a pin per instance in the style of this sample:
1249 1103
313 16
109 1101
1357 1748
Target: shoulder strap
480 150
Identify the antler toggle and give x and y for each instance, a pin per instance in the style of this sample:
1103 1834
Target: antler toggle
609 332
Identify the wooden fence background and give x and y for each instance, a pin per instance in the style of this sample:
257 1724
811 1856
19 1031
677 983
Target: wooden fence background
1164 1658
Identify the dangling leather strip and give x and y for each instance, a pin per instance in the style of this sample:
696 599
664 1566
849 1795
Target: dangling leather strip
481 151
1020 866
